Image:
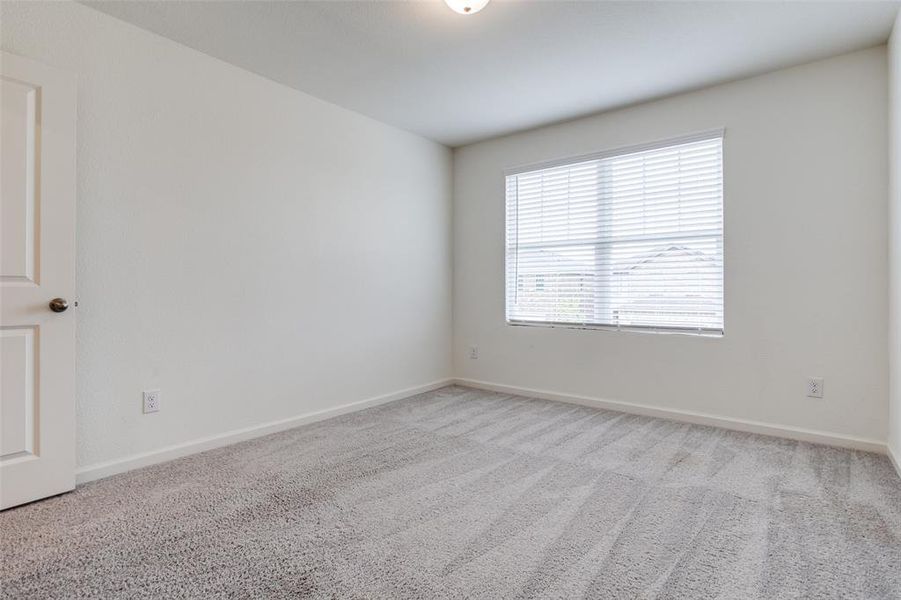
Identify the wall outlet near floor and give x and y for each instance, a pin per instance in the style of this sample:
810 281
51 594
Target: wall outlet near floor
473 352
151 401
815 387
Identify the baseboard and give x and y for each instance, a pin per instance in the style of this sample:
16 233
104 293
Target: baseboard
794 433
136 461
892 457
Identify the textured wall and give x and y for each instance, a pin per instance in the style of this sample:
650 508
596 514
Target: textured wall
252 251
805 257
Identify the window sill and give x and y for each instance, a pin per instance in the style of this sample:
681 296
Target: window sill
706 333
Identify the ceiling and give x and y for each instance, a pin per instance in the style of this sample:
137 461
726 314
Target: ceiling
517 64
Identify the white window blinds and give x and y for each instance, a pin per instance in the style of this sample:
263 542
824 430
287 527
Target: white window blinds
626 240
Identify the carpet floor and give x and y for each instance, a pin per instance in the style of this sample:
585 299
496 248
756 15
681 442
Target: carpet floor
460 493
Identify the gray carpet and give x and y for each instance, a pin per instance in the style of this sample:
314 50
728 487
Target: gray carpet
460 493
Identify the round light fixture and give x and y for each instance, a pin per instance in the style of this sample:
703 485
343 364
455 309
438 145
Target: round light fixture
466 7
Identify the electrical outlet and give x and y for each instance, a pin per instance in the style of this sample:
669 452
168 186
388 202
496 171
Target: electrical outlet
815 387
151 401
473 352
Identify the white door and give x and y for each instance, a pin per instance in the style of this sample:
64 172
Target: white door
37 256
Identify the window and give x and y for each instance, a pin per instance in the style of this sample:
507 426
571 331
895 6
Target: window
631 239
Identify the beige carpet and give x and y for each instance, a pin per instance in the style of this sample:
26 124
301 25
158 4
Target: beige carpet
460 493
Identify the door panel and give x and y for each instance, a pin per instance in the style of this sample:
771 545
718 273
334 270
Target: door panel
17 413
18 179
37 250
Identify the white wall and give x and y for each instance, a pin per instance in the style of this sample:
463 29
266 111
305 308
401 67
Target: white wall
252 251
806 257
229 228
895 241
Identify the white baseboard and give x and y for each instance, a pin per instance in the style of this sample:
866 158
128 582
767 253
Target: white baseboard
136 461
144 459
784 431
892 457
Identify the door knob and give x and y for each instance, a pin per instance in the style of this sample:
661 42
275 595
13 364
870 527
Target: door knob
59 305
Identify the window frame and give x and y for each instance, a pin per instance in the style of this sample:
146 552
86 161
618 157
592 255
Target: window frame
707 332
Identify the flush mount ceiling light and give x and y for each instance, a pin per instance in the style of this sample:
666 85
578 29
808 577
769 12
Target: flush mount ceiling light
466 7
